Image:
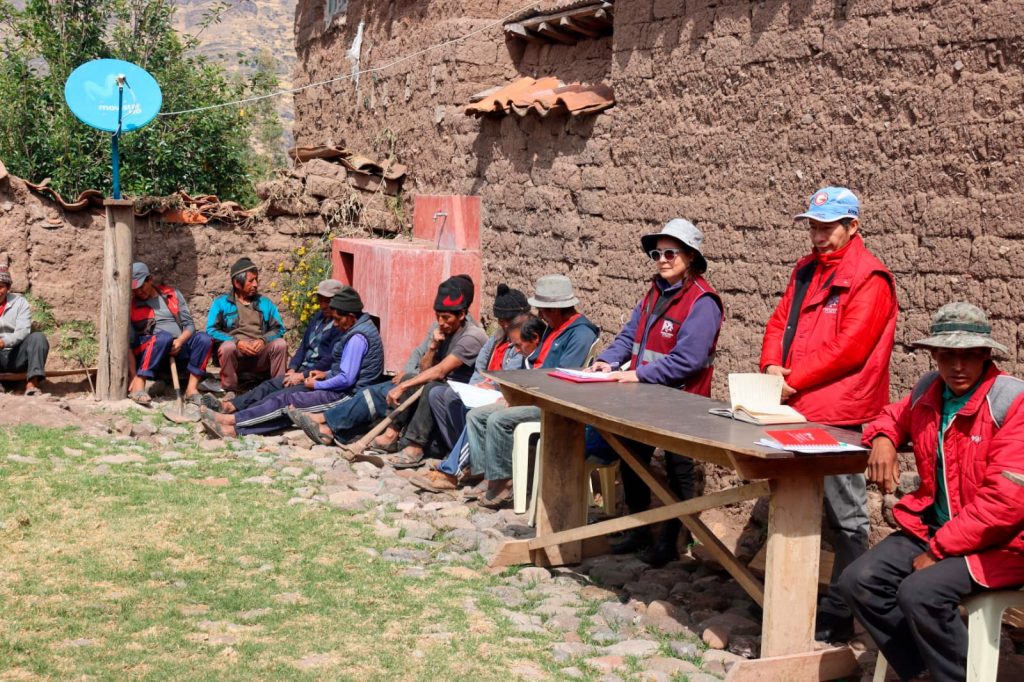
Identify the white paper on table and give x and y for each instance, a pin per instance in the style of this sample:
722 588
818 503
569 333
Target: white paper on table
474 396
810 450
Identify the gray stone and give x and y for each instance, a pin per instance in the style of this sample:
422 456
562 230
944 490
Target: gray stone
670 666
22 459
142 429
572 672
719 662
72 452
615 613
350 500
563 622
259 480
175 431
120 459
182 464
509 596
685 649
101 470
414 572
417 529
466 540
403 555
632 647
524 623
532 574
170 454
253 614
293 472
305 492
163 477
210 445
603 635
646 591
563 652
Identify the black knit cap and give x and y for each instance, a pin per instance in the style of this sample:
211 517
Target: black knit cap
465 282
509 302
452 296
243 264
347 301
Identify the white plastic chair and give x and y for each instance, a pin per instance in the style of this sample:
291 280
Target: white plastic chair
521 465
984 622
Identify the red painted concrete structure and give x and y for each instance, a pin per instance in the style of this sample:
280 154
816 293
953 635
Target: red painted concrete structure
397 278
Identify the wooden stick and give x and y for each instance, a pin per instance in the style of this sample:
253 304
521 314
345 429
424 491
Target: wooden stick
696 505
21 376
360 445
743 575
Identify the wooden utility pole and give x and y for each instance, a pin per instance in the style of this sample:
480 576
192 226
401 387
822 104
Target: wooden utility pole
112 366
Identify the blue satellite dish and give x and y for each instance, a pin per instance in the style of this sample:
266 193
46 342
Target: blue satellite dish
92 95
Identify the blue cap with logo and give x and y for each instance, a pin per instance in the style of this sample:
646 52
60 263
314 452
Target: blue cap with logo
830 204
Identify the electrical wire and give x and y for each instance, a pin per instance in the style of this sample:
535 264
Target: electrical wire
357 73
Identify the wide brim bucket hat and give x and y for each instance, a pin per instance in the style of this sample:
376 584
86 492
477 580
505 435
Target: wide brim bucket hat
960 325
684 232
553 291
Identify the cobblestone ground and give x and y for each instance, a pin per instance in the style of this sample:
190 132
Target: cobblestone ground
614 617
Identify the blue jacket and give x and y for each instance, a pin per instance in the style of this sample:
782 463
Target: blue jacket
307 358
223 318
570 349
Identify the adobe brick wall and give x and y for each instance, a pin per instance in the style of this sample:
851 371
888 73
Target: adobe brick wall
729 113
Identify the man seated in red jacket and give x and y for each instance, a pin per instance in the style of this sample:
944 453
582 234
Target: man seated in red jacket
961 529
831 337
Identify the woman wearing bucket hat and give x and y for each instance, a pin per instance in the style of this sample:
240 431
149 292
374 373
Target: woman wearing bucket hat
961 530
670 339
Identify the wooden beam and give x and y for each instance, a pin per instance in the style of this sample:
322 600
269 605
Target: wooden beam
573 26
791 568
825 664
656 515
753 468
563 495
21 376
112 369
552 33
747 580
510 553
825 564
520 33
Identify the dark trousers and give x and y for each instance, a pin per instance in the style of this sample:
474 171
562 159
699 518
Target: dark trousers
152 350
913 616
29 356
638 496
271 413
257 395
418 420
351 417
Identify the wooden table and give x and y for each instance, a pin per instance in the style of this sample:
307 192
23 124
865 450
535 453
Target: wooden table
679 422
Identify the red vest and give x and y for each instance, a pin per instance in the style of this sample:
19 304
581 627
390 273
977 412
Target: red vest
859 396
497 356
665 322
550 340
142 315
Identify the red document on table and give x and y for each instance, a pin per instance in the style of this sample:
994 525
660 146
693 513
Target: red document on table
580 377
804 439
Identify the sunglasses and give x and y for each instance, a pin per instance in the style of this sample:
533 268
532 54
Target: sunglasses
670 254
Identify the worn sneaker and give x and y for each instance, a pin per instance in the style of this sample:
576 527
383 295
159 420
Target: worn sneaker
435 481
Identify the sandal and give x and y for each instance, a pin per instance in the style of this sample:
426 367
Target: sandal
375 460
311 429
213 427
140 397
34 391
208 401
405 460
476 492
499 501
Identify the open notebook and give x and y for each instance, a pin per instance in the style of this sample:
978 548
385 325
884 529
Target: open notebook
757 398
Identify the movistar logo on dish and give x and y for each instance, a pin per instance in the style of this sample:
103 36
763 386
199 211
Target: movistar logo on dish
128 109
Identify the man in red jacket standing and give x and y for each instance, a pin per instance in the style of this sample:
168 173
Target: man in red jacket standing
830 338
961 529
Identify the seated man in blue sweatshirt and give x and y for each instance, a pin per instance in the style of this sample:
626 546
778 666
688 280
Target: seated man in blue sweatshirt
567 343
357 362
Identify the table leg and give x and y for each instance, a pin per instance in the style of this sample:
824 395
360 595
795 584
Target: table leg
563 487
791 568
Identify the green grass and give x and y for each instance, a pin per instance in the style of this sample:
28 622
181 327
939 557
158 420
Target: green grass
155 575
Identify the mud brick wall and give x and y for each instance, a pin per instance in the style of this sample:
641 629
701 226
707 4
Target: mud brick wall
59 256
729 113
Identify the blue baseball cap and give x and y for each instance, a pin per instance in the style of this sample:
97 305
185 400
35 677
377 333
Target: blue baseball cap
830 204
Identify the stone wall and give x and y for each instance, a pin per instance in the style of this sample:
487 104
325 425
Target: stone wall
59 255
729 113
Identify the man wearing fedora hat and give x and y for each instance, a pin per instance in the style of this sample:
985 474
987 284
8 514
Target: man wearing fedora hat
961 530
489 429
831 338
